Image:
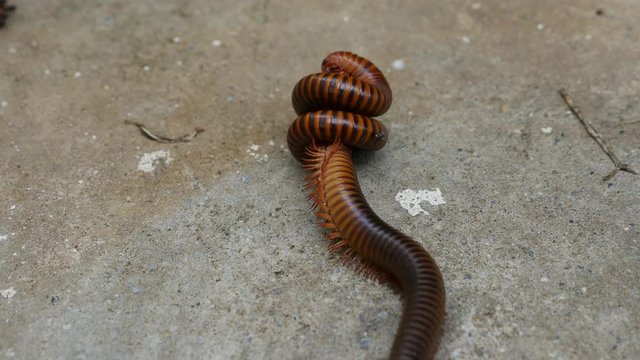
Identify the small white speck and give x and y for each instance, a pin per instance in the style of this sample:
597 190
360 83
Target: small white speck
50 216
540 26
271 143
476 6
626 228
547 130
216 43
176 105
106 87
93 137
583 290
80 181
410 113
146 68
544 279
398 64
4 104
345 18
588 37
4 237
129 114
8 293
410 200
465 39
13 50
176 39
66 327
12 207
179 62
254 147
77 74
47 72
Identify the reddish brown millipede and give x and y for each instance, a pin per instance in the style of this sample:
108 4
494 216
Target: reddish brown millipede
334 109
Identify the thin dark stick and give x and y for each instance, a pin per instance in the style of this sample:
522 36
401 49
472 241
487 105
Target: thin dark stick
163 139
597 137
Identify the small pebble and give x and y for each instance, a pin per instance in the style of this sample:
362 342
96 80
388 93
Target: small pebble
216 43
398 64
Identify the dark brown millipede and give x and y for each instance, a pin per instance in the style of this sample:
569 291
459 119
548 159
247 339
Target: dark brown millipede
334 109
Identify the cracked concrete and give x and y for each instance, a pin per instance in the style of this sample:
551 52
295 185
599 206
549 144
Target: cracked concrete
215 255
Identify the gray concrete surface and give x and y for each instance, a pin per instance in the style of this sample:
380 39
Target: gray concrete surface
215 255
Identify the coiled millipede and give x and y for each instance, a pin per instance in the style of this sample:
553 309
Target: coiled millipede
334 109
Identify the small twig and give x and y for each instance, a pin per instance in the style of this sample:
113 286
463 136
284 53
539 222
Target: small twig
597 137
629 123
163 139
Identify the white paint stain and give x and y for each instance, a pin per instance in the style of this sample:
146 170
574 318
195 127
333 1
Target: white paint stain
547 130
149 161
398 64
410 199
253 152
8 293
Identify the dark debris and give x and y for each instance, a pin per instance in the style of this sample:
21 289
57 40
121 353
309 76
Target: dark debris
5 10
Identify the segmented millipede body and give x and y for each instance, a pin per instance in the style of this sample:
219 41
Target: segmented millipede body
334 110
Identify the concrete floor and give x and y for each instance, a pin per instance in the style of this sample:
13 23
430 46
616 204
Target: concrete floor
214 254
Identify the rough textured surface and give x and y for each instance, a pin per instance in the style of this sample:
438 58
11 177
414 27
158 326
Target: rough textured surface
215 254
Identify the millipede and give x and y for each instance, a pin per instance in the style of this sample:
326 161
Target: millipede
335 109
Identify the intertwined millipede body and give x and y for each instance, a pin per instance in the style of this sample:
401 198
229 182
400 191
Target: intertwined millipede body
334 108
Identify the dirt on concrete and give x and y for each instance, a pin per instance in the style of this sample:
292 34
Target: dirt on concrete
116 246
